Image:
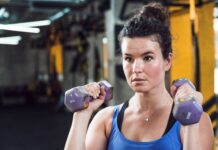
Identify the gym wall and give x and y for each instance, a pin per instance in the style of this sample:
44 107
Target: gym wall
183 57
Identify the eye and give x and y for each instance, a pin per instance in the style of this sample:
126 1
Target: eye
128 59
148 58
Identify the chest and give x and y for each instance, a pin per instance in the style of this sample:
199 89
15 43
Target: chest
137 128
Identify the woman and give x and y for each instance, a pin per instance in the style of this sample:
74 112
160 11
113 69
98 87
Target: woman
145 121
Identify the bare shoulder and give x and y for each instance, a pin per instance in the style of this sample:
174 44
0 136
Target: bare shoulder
105 113
103 120
100 128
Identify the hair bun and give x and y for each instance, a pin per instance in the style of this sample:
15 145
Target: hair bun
155 11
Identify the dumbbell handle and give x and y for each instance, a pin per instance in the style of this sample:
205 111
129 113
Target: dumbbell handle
187 111
77 98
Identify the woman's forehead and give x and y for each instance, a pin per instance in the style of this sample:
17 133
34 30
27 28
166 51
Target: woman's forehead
139 44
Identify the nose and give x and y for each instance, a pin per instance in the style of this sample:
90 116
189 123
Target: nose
137 66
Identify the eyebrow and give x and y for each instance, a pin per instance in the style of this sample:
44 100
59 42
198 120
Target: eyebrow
146 53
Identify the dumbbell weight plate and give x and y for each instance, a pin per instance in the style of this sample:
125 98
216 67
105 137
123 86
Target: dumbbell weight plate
76 99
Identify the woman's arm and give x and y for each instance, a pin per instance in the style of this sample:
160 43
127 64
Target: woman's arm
99 130
198 136
77 135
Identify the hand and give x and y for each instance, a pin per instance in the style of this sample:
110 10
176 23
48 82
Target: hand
185 91
98 93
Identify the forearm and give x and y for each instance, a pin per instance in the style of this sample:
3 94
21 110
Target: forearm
77 134
191 137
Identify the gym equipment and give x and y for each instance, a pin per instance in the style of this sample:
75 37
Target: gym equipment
186 110
77 98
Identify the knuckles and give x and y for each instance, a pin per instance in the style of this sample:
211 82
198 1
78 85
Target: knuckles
187 91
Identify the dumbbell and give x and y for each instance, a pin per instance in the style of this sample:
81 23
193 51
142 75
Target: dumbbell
77 98
187 111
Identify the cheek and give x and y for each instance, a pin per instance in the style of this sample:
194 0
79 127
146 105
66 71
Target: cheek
155 71
126 70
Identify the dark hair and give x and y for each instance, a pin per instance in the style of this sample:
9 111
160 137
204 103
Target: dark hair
153 19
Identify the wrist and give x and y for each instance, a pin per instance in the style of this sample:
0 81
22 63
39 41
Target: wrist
82 114
191 127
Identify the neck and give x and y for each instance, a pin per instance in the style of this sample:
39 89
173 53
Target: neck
152 100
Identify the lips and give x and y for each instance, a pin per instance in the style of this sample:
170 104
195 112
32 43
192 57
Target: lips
137 79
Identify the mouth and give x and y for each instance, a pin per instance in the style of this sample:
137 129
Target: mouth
137 80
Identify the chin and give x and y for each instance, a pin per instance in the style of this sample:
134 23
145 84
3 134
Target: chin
140 89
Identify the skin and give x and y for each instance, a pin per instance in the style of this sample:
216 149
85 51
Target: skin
144 68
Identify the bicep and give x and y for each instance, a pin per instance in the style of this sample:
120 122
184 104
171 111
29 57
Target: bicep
96 138
206 133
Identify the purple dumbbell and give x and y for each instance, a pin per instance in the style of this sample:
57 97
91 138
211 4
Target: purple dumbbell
187 111
77 98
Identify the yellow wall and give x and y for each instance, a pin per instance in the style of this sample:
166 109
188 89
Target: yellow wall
207 49
183 62
207 53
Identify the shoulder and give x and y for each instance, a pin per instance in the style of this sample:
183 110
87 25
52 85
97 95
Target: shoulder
103 119
106 113
100 128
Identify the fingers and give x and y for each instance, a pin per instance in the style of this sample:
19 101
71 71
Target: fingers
94 90
186 92
102 93
173 90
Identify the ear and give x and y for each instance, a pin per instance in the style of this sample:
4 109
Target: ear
168 62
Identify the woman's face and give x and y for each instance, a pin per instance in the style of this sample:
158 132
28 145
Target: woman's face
143 63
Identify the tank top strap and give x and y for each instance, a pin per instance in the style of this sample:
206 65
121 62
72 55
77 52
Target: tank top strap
121 114
114 121
116 112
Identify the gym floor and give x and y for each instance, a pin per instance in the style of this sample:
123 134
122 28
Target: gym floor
33 127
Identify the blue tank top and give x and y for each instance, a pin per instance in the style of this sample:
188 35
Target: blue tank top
169 141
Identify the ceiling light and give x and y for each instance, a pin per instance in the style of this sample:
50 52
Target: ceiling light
2 10
17 38
4 13
9 42
33 23
19 28
59 14
12 40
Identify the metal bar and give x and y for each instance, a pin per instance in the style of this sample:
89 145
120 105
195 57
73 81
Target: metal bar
58 4
195 45
14 4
